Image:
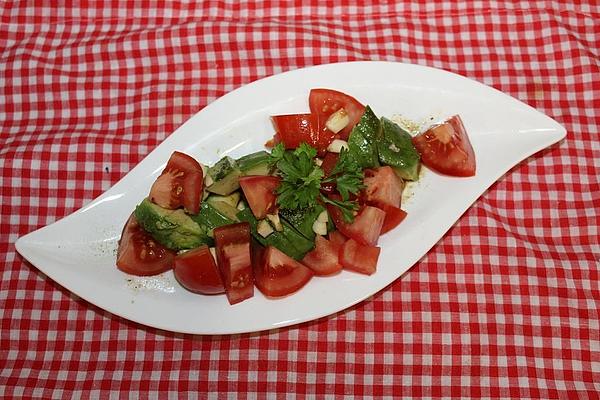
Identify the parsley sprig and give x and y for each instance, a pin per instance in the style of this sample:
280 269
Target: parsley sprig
301 179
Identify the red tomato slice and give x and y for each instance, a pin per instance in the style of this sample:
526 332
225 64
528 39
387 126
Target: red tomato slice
139 254
293 129
337 239
446 148
234 260
393 217
366 226
324 102
197 271
277 274
180 184
383 186
323 259
260 193
360 258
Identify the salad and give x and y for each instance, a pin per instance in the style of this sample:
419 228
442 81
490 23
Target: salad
315 204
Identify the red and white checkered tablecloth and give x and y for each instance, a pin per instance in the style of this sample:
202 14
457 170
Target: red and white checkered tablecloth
506 305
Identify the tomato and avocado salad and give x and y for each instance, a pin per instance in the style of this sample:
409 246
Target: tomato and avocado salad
315 204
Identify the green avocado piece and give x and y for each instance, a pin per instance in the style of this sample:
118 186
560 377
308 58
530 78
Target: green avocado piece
396 150
255 163
289 241
211 217
173 229
303 219
363 138
225 175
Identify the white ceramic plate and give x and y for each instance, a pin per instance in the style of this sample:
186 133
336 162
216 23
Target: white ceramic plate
79 251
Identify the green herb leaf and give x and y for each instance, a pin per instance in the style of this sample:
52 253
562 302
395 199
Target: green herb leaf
347 175
301 179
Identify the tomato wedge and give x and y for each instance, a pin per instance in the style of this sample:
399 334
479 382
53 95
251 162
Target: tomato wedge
197 271
234 259
393 217
358 257
180 184
446 148
294 129
383 187
366 226
260 192
139 254
323 259
277 274
324 102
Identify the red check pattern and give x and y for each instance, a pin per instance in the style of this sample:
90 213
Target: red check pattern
506 305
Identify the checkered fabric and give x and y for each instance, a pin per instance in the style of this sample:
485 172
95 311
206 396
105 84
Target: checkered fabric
506 305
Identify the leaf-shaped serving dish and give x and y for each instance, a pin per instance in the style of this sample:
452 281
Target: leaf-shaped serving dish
78 251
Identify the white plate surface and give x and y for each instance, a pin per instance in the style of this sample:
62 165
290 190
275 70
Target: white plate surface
79 251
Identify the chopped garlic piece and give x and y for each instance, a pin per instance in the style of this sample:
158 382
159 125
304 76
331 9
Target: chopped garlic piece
263 228
337 145
320 228
323 217
275 221
337 121
213 251
208 180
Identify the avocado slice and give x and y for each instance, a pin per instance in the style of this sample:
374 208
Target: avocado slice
289 241
255 163
395 149
303 219
211 217
363 138
173 229
225 175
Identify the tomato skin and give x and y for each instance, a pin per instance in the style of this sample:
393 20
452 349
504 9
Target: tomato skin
197 271
323 259
393 217
366 226
277 274
446 148
324 102
234 260
260 192
294 129
180 184
359 258
382 186
139 254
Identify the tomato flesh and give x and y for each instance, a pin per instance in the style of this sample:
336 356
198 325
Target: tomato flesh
294 129
359 258
234 260
180 184
260 192
393 217
382 186
277 274
446 148
366 226
323 259
139 254
197 271
337 239
324 102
